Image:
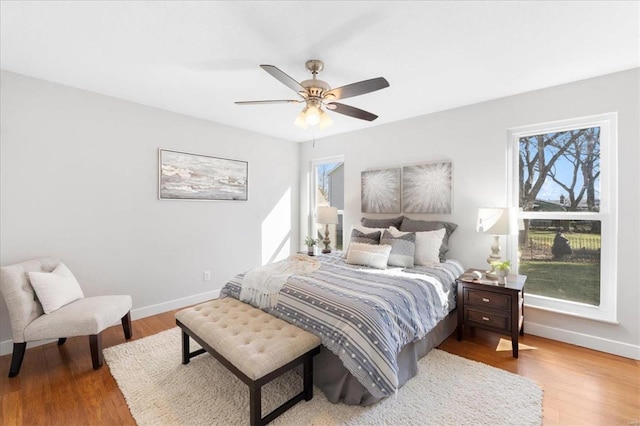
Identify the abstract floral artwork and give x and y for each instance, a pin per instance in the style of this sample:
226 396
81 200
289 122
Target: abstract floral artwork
200 177
380 192
427 188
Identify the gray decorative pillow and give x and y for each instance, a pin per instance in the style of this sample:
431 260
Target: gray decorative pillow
361 237
381 223
410 225
403 249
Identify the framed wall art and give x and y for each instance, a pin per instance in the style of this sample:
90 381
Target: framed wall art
427 188
380 191
185 176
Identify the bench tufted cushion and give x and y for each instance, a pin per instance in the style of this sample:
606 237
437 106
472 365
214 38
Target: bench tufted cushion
255 342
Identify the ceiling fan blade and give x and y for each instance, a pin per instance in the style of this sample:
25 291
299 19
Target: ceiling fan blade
356 89
282 101
351 111
283 78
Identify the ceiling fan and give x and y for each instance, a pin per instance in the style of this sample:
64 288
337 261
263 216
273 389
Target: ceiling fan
316 93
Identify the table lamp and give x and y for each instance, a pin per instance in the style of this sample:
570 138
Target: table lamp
327 216
496 221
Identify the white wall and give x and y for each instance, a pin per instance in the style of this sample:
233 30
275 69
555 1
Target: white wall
79 177
474 138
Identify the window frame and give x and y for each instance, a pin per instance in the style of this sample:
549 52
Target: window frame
607 310
312 224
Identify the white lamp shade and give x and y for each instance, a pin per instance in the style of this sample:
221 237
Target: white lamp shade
497 221
327 215
312 115
325 120
301 120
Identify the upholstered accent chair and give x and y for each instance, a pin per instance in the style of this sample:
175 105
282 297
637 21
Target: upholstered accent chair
86 316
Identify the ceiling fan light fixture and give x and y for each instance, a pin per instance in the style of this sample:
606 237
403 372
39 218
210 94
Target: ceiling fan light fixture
301 120
312 116
325 120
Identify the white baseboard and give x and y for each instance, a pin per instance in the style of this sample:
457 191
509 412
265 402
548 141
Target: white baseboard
585 340
173 304
6 347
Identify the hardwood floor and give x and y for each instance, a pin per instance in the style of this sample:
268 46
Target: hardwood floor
581 386
57 385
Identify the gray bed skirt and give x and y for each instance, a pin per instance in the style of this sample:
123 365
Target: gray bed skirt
338 385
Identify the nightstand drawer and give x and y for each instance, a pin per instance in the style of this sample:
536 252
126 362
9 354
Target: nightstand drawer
484 298
493 319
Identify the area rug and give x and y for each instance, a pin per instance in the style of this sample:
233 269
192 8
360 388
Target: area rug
448 390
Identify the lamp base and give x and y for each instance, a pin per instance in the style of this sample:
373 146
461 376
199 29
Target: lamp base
493 257
326 248
326 241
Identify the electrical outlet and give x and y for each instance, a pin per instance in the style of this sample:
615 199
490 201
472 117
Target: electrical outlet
206 275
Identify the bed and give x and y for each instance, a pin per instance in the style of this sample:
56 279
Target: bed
375 324
375 311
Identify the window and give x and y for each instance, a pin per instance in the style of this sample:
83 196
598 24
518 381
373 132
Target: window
562 177
328 190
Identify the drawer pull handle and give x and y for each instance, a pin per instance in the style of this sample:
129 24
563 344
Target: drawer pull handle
484 299
485 319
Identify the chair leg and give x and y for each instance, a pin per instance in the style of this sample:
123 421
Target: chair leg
61 341
126 325
95 341
16 359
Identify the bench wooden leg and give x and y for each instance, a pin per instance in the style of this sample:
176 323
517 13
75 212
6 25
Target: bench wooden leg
308 378
255 404
186 354
185 348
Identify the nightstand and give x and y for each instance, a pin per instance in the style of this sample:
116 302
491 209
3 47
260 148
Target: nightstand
491 306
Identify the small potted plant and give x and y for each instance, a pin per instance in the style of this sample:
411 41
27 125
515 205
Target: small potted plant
310 242
502 269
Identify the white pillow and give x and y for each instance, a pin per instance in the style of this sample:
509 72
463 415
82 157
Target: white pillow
364 230
55 289
427 245
369 255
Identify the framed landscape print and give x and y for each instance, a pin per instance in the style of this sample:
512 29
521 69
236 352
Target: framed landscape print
427 188
380 191
184 176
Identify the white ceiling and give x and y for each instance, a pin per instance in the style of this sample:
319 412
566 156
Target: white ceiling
196 58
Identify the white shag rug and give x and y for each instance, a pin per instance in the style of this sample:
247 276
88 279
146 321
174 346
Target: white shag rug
448 390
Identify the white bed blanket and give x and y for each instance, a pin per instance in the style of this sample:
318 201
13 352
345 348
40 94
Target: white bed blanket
261 285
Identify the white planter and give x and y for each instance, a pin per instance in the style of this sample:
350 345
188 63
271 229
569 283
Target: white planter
502 275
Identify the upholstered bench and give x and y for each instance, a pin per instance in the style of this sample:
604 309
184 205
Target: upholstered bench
253 345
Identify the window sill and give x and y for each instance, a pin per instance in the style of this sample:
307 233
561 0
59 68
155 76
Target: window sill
573 309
